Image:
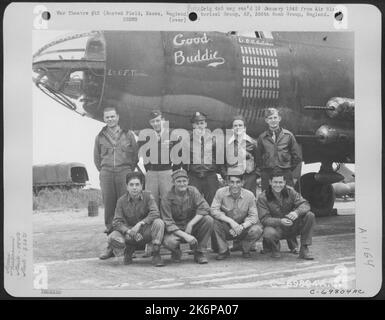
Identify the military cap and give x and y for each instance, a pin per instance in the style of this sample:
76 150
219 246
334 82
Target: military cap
179 173
198 116
270 111
155 113
234 172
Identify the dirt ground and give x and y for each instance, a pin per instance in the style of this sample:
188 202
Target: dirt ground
68 244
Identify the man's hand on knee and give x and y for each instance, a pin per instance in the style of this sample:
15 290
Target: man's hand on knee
285 222
130 235
292 215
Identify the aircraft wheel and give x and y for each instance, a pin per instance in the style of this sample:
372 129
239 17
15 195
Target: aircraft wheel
320 196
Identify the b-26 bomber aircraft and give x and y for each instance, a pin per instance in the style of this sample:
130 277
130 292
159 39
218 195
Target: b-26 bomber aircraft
308 76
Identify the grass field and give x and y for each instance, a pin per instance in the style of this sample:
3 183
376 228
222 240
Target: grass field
59 199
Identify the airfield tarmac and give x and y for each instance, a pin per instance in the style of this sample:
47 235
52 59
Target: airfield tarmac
68 243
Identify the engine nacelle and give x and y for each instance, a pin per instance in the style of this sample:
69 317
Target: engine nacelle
341 108
327 134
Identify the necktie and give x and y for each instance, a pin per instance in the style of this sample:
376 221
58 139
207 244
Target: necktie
273 137
202 150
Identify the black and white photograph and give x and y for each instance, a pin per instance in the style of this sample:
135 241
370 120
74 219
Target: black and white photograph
174 162
286 97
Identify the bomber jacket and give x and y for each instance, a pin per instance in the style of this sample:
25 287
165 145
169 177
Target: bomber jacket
271 212
115 156
283 153
129 211
177 213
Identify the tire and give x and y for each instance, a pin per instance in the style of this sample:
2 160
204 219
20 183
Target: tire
320 196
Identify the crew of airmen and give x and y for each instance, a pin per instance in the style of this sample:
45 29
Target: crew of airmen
183 203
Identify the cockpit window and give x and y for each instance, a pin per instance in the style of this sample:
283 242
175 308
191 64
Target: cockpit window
65 50
249 34
73 85
71 69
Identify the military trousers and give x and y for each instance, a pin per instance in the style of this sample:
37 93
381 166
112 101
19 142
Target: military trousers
201 231
151 234
302 226
113 186
159 183
247 238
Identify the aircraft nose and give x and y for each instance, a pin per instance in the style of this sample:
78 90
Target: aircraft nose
71 70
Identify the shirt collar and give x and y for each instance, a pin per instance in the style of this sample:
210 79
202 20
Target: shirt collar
277 132
228 193
244 136
206 133
114 132
173 195
129 198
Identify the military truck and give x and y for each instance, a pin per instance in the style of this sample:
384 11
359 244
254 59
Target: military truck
66 175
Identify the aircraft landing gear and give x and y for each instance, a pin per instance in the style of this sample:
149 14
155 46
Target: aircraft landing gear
318 190
320 195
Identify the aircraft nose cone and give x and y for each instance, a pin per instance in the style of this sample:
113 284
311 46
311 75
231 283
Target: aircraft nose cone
71 70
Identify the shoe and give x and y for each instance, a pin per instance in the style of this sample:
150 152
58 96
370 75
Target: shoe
294 251
266 247
223 256
176 256
107 254
157 260
128 253
200 257
246 254
304 253
275 254
236 246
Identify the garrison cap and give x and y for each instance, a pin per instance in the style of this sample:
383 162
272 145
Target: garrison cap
179 173
155 113
270 111
234 172
198 116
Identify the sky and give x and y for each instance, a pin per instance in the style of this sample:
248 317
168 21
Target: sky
61 135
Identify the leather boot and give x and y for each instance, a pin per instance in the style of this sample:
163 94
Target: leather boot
304 253
128 253
107 254
200 257
275 250
223 256
156 258
176 255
